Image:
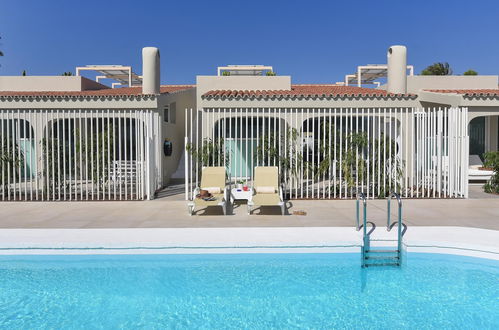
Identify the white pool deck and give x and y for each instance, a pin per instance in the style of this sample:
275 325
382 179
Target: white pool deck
467 227
451 240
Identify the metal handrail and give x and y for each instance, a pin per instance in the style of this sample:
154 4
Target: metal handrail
389 225
364 202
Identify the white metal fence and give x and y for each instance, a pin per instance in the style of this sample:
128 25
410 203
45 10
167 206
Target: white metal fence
334 153
79 154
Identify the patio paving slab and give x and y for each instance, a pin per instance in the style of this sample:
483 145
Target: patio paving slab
171 212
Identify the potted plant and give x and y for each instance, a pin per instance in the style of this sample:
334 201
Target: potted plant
240 184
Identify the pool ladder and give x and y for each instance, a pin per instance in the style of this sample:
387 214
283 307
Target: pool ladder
386 257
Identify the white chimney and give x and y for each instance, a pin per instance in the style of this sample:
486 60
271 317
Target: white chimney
150 70
397 70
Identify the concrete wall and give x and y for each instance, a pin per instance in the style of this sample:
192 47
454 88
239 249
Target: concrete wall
90 85
417 83
48 83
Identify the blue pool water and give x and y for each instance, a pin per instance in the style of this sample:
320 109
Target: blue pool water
257 291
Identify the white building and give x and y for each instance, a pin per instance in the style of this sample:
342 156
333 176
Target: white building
67 138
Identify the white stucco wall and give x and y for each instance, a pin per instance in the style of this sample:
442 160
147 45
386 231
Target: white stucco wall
48 83
417 83
175 132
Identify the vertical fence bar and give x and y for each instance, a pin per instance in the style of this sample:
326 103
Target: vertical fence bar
8 141
325 152
405 142
356 151
63 119
380 170
126 134
275 135
27 144
417 147
240 143
110 134
348 192
3 138
72 155
231 146
17 185
313 151
80 153
330 146
362 151
91 138
375 116
71 167
307 168
390 160
53 155
35 148
118 164
72 152
341 153
335 154
46 155
198 119
189 165
299 151
98 154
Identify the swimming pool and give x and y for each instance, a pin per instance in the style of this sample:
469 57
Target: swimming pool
247 291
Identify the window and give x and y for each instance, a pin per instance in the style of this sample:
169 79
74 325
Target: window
166 114
169 113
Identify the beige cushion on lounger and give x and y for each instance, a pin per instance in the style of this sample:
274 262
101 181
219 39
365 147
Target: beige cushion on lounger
266 199
267 176
213 177
267 191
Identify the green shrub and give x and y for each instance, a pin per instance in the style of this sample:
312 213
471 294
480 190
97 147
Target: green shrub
492 161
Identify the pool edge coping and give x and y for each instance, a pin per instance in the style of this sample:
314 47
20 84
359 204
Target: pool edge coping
328 240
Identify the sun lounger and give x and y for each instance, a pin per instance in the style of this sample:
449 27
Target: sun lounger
267 191
212 180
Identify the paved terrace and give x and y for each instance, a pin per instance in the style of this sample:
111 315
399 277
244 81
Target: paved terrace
170 211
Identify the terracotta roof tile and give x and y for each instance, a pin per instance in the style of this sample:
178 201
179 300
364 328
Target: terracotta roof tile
308 90
124 91
469 93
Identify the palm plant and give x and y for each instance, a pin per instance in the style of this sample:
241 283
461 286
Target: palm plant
52 157
378 157
492 161
437 69
97 163
11 159
210 153
280 149
470 72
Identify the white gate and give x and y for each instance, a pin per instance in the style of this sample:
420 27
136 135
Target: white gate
78 154
333 153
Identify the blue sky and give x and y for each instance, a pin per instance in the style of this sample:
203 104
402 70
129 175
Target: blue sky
313 41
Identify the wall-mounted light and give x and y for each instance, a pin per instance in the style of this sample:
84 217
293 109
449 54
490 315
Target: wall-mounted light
167 147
